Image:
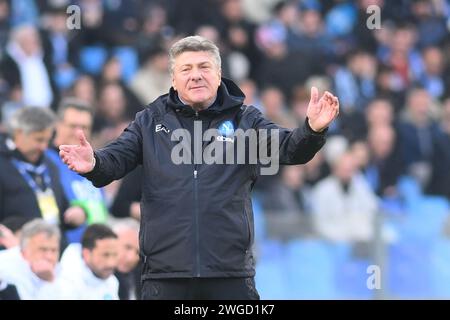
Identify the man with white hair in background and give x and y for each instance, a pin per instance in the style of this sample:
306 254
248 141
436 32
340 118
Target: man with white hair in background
32 266
29 183
343 204
25 67
128 267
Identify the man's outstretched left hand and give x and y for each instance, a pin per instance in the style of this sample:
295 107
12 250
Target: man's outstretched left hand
321 112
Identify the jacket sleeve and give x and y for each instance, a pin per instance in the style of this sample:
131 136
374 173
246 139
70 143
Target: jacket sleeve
119 157
296 146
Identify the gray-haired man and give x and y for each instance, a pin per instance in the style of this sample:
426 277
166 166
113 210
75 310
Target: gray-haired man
196 231
29 182
32 267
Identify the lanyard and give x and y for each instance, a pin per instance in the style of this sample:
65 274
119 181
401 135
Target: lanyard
25 169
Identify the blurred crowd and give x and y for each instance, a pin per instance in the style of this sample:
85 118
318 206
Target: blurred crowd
392 80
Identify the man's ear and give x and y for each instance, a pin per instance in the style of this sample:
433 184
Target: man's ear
173 84
85 253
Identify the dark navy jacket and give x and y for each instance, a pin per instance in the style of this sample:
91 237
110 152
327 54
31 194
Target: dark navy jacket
196 219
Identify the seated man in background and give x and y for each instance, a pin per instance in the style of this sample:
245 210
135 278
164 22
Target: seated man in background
32 267
29 183
88 269
79 191
128 268
74 114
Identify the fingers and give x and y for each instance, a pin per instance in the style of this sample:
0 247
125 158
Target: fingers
81 137
65 148
331 99
314 95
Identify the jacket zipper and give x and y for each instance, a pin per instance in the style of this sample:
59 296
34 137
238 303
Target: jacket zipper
196 211
197 228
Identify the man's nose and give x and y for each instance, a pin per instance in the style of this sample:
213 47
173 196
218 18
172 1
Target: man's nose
196 75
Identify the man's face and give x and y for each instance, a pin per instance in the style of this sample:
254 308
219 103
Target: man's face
196 78
73 119
32 145
42 249
103 259
128 250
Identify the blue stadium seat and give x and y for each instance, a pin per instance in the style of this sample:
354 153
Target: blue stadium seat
351 279
129 61
440 268
409 188
409 270
311 270
270 279
259 220
425 220
270 249
93 58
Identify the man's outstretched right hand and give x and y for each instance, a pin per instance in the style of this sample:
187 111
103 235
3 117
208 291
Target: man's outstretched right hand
79 158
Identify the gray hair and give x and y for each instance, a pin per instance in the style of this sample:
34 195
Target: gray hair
35 227
73 103
125 224
31 119
193 43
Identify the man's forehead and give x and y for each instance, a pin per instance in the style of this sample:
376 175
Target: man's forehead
194 57
42 236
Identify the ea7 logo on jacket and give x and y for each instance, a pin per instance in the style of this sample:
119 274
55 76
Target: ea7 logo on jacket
161 127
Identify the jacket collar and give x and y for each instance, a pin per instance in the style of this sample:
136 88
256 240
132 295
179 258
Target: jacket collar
229 96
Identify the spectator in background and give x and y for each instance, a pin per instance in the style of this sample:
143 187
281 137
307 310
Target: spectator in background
440 179
343 204
310 37
237 33
286 206
26 67
421 138
93 23
29 182
250 90
112 73
84 89
74 114
355 83
274 108
379 112
281 67
400 53
61 44
153 78
431 75
386 163
87 269
5 22
111 114
154 30
390 87
32 267
128 269
430 21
